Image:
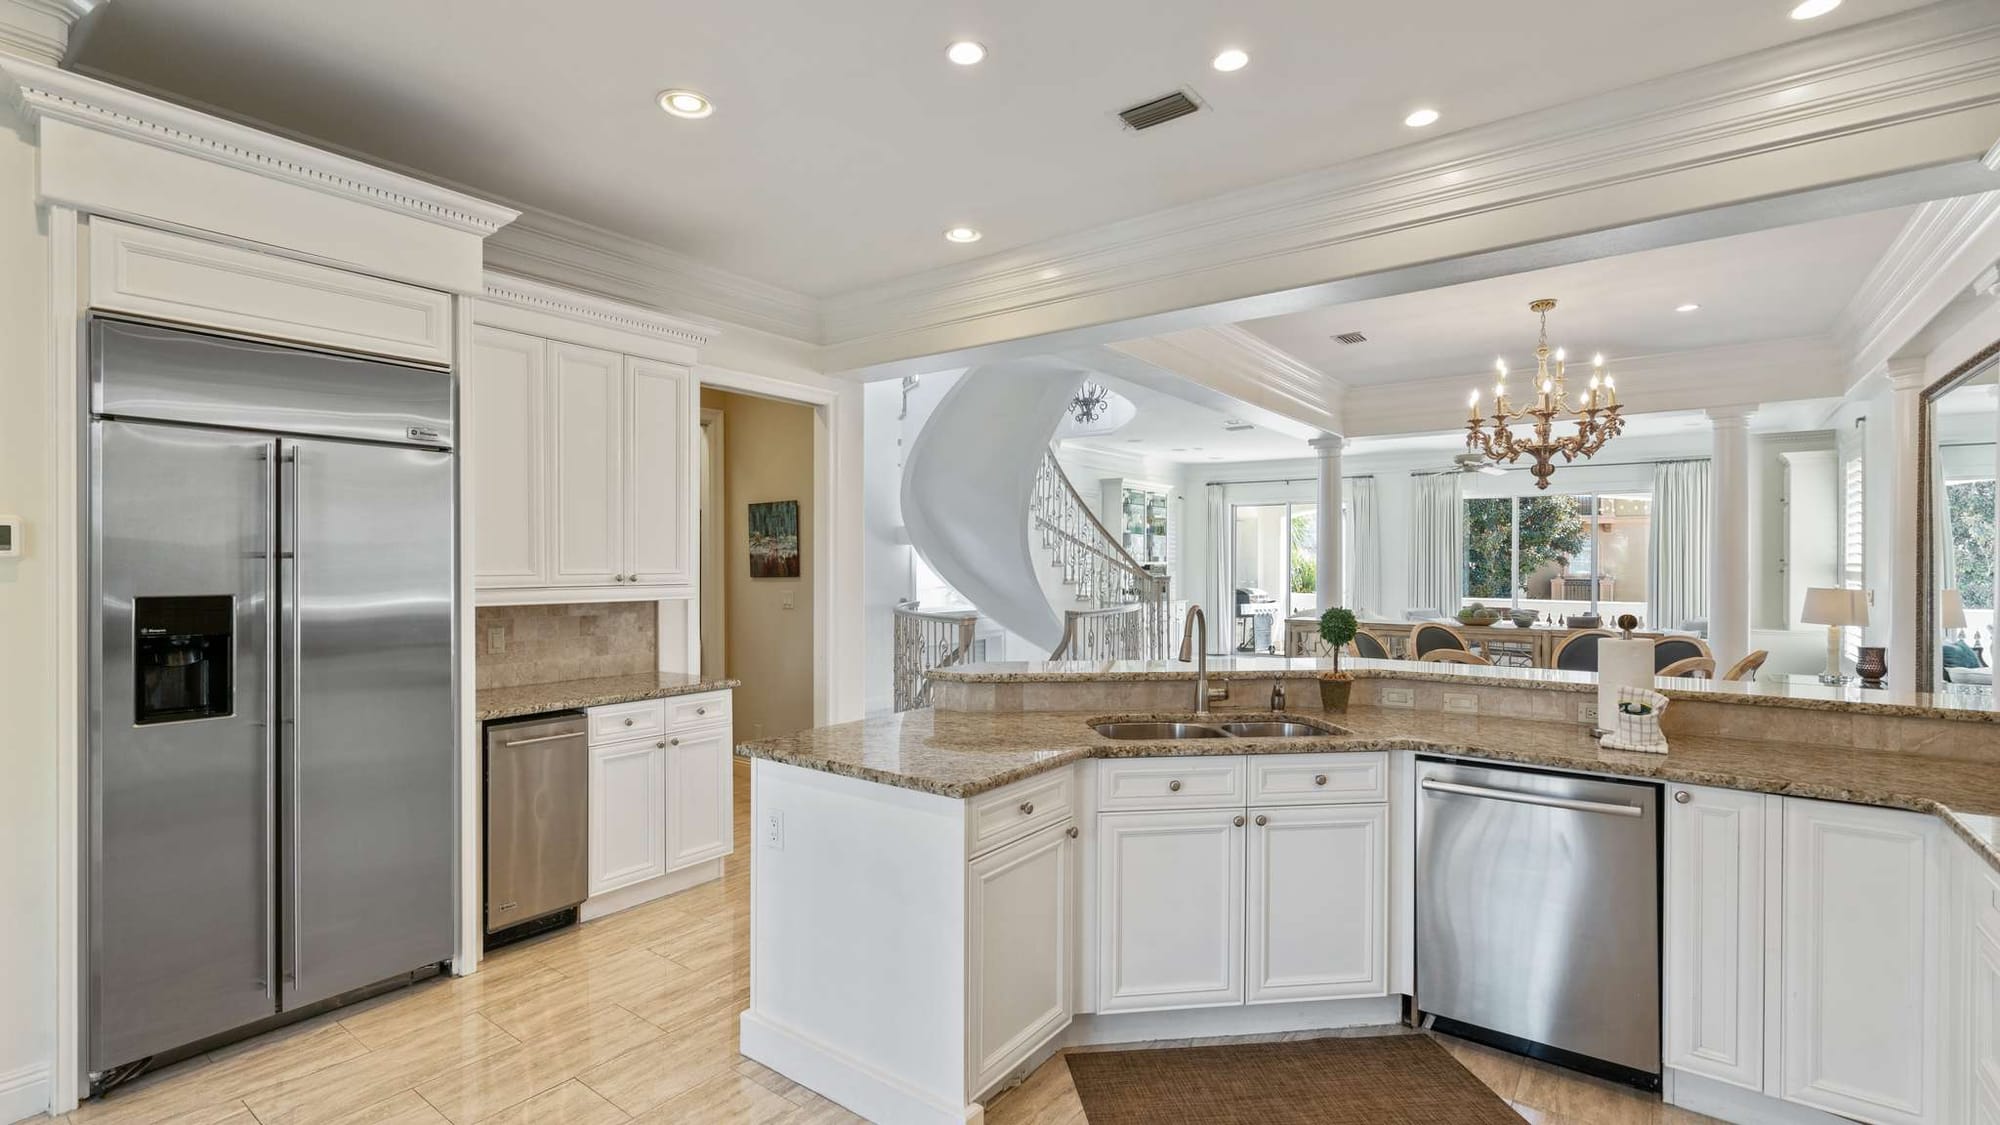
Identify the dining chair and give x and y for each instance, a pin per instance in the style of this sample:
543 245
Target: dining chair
1746 668
1673 650
1431 637
1454 656
1577 652
1368 646
1694 667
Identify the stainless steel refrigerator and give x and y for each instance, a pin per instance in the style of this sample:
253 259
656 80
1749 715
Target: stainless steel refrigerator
273 763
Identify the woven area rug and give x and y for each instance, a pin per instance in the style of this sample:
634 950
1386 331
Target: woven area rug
1389 1080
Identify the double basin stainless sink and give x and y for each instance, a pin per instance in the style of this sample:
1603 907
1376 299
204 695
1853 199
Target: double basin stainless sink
1181 729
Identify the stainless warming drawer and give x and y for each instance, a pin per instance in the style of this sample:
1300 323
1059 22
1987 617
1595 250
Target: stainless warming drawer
537 817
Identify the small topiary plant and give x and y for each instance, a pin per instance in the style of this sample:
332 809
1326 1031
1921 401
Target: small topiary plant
1337 627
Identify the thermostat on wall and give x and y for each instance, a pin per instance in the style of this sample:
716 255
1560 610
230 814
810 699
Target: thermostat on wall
10 537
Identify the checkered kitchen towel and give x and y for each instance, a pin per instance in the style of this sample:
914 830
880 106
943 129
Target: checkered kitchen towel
1637 724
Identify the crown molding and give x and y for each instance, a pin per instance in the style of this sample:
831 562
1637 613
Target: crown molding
1231 360
1940 254
45 93
535 296
40 29
1901 93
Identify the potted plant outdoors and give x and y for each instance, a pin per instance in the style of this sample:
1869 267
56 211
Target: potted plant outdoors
1337 627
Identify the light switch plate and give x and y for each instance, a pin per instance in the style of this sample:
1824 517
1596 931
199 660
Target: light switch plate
10 537
496 638
1399 697
1461 703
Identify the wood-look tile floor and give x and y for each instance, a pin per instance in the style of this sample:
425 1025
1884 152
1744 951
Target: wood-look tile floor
630 1018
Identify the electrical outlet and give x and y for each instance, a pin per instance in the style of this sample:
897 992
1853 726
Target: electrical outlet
791 601
1399 697
774 830
496 638
1461 703
1586 713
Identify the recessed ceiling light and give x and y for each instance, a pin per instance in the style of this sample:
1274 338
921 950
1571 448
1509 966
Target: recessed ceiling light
1689 307
686 103
963 234
1421 118
1813 9
965 52
1231 59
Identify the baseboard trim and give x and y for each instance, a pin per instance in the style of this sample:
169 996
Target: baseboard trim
673 882
858 1087
1734 1103
24 1093
1239 1019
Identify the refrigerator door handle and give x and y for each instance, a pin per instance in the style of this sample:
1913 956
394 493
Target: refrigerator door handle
274 482
288 558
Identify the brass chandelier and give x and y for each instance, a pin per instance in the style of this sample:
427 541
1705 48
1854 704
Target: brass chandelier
1597 418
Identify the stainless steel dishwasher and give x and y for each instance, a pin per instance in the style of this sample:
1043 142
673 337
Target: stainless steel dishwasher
1538 914
537 824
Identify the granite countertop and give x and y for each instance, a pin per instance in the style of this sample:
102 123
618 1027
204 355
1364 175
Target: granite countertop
569 695
1963 704
960 754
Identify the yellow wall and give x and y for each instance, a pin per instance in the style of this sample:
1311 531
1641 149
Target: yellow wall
767 449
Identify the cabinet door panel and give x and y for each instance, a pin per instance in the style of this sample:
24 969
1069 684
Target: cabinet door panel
1984 997
506 431
589 472
1170 909
1714 956
1318 903
1019 923
698 795
628 806
1860 959
659 535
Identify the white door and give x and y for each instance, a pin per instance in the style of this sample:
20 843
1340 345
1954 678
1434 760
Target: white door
659 458
589 403
698 796
506 423
1019 920
1170 909
1860 961
628 813
1318 903
1713 963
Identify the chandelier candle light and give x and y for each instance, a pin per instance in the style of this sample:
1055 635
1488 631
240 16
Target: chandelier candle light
1597 418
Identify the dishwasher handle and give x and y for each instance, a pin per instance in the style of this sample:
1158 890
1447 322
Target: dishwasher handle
1570 803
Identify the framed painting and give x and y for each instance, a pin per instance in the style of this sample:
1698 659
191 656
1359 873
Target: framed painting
774 539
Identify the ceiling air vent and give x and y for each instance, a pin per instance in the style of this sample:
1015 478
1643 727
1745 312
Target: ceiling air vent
1159 111
1351 338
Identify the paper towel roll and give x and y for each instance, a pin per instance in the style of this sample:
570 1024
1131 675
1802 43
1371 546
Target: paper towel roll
1620 664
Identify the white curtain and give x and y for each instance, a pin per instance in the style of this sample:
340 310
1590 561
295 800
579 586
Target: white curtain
1221 594
1363 545
1437 545
1677 587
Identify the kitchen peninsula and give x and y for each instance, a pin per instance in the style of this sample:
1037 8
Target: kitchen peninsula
942 898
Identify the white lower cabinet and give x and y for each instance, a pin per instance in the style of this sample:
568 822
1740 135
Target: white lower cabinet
1317 907
1713 956
1979 920
1020 907
628 813
1170 909
698 800
1860 952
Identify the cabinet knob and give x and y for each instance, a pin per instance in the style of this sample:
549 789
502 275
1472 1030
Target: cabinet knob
1027 808
1238 822
701 710
1262 820
1682 796
1319 779
673 742
1072 831
618 578
628 720
661 744
1173 786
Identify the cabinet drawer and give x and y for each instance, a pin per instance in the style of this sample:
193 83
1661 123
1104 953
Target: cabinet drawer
627 720
1011 812
1171 783
1319 779
706 710
172 277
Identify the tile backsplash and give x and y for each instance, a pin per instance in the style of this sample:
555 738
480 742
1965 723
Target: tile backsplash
538 644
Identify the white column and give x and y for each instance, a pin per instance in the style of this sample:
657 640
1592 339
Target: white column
1326 561
1898 611
1728 537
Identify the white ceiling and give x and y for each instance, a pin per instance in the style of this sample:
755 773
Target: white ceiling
1167 427
843 143
1784 283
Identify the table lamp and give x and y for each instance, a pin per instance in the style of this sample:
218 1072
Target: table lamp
1836 609
1951 609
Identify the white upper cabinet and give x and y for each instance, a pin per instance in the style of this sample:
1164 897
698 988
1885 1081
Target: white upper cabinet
1714 943
580 422
1318 903
1860 951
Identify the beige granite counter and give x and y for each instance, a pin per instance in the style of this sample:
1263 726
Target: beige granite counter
1960 704
960 754
569 695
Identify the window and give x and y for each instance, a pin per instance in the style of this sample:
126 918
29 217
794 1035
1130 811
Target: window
1853 530
1559 554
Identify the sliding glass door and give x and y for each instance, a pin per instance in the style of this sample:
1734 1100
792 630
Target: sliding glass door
1559 555
1272 560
